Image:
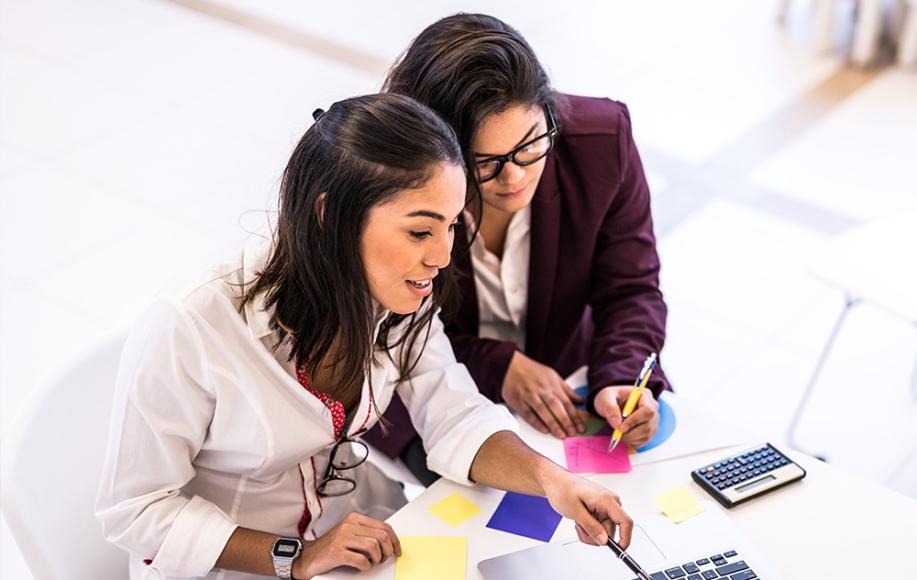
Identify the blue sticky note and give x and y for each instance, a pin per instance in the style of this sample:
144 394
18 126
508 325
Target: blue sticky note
525 515
665 429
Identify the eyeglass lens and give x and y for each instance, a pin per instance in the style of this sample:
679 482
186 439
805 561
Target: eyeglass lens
530 153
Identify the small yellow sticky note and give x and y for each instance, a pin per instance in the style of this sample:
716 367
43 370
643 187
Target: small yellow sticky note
426 557
454 509
678 504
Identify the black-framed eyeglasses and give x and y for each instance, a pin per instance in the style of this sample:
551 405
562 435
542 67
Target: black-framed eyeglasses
524 155
346 454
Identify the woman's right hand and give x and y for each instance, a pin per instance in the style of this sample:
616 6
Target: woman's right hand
537 393
358 541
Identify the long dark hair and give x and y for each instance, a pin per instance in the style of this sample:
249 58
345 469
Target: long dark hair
468 66
357 155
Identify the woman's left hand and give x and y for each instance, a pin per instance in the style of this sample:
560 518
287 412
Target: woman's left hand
641 425
597 511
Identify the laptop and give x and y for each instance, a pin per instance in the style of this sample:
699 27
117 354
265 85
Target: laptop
704 547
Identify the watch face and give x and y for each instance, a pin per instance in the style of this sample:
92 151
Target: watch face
284 548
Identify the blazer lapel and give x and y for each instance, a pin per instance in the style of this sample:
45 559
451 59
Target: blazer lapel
465 315
545 240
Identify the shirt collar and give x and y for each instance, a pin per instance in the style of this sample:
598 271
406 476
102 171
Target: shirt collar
254 259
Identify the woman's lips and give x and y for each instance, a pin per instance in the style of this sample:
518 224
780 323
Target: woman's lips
420 288
505 194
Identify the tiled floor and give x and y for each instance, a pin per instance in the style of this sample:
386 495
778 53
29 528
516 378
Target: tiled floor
140 139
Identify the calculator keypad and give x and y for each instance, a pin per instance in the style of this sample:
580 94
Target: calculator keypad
748 465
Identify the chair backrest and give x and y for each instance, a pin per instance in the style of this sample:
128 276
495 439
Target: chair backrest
52 462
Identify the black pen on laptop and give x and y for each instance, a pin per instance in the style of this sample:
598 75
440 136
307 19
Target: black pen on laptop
622 555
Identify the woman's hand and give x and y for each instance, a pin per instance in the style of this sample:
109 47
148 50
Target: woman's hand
596 510
640 425
358 541
541 397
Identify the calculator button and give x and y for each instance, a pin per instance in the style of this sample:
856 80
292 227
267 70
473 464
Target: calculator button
744 575
690 568
694 577
730 568
702 561
675 572
730 553
710 574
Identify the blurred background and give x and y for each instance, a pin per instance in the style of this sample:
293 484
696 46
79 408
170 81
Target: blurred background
142 139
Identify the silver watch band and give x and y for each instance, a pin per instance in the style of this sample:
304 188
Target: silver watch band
283 567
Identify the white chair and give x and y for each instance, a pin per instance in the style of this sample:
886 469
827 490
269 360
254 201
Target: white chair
867 28
52 461
907 41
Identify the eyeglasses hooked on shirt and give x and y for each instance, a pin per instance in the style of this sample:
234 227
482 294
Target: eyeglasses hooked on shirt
347 453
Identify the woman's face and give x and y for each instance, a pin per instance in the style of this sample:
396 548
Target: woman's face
514 186
408 239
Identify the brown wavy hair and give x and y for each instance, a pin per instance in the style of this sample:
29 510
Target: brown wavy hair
468 66
357 155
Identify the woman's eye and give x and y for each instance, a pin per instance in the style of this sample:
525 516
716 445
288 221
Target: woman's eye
420 235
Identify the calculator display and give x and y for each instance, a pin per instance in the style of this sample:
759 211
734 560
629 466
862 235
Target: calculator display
755 484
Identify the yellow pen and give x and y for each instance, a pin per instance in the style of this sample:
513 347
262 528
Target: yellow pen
634 398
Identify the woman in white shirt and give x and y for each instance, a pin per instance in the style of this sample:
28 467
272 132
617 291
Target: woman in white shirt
233 448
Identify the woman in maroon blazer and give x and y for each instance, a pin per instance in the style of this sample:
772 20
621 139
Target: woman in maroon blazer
564 270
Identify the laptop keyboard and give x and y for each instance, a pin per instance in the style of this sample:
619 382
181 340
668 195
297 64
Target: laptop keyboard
724 565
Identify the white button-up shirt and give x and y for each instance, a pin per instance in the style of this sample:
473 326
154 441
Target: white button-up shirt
502 284
211 429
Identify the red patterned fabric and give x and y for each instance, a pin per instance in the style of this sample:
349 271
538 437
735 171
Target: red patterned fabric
337 421
337 409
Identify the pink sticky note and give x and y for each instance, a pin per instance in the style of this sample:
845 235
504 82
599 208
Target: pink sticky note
590 455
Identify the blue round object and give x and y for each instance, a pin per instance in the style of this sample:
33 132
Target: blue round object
582 391
665 429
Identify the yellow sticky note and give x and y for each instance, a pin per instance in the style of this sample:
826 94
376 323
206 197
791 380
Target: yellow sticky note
678 504
454 509
426 557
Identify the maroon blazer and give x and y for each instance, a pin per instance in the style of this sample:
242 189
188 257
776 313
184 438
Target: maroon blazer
593 295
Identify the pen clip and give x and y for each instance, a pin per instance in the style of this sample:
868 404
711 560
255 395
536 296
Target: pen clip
648 365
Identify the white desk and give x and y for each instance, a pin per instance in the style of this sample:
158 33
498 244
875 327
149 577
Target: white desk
829 525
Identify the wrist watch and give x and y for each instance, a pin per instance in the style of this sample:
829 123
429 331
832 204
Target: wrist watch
283 553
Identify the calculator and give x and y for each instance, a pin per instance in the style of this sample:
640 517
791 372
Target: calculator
747 475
